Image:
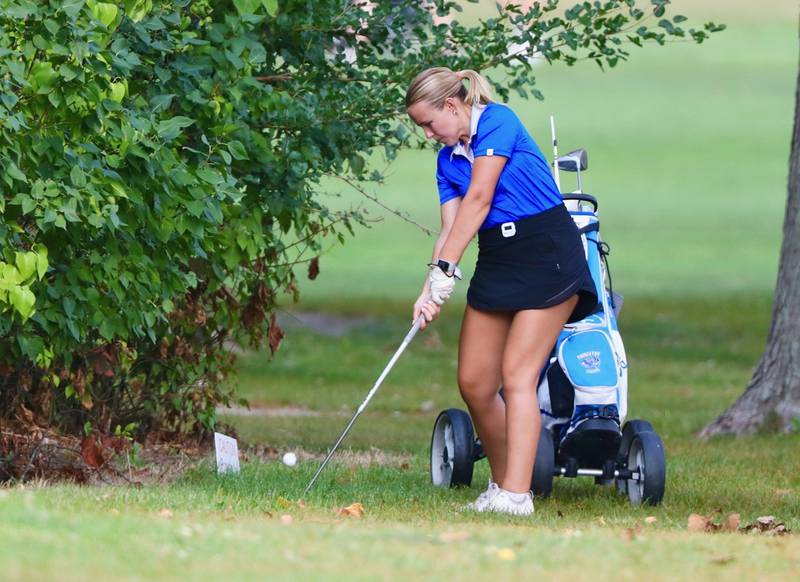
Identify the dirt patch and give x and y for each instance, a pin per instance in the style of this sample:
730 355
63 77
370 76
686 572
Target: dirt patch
323 323
294 411
360 459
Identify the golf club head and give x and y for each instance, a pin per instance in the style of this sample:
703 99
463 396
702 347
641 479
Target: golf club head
574 161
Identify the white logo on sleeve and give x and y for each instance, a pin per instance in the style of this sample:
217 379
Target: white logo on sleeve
490 152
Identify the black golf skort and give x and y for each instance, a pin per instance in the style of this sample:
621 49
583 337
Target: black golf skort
534 263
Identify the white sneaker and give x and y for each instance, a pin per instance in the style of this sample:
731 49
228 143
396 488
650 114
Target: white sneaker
484 498
511 503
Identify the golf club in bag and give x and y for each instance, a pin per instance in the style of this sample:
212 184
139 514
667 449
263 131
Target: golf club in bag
407 340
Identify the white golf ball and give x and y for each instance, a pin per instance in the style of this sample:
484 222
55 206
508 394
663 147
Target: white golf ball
289 459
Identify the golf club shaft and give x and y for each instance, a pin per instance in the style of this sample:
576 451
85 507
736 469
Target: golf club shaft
407 340
555 152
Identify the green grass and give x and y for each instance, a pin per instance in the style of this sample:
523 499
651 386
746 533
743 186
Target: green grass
688 155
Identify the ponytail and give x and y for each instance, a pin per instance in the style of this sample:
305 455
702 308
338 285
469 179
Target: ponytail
436 84
479 91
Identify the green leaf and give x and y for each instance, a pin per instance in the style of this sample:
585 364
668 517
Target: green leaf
23 300
138 9
72 7
271 6
77 177
118 91
13 171
41 259
42 77
237 150
26 264
28 204
247 6
171 128
104 12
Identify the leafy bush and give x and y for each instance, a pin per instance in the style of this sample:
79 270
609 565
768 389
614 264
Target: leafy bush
160 165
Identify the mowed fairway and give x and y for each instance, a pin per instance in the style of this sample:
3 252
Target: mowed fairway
688 155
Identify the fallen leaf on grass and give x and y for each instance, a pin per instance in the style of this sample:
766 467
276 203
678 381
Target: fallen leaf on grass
631 533
650 519
721 560
165 513
301 503
697 523
732 523
352 510
283 502
707 523
768 525
454 536
506 554
286 519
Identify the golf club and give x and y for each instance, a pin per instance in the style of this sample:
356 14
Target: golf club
409 336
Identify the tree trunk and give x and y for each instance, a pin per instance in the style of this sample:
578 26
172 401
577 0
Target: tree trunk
772 398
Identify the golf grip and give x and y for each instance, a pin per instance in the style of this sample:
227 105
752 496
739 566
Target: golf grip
407 340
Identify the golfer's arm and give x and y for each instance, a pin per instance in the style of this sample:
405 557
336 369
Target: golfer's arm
474 207
449 210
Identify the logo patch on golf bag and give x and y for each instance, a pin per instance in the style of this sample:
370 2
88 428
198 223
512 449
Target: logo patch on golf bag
590 361
587 358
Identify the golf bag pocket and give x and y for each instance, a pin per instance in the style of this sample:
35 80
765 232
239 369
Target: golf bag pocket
556 395
590 364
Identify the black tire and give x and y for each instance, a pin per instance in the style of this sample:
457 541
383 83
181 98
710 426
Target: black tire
542 480
452 456
646 457
630 430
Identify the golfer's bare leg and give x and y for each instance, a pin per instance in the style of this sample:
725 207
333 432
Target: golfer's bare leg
480 353
531 338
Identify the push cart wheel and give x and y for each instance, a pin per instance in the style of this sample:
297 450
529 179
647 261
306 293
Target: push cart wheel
646 459
452 444
631 429
542 481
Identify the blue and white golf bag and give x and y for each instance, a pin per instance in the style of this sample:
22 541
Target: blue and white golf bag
587 375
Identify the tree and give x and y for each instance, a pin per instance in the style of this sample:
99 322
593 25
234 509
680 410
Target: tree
772 397
160 169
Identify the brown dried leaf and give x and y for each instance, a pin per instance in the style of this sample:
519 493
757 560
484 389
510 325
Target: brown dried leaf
165 513
732 523
767 525
352 510
722 559
313 268
454 536
697 523
90 452
275 334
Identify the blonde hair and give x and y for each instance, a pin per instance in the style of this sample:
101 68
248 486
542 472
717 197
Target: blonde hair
436 84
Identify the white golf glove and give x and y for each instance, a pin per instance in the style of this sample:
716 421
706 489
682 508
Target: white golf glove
442 284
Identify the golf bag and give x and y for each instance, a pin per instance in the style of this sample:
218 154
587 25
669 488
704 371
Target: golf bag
586 376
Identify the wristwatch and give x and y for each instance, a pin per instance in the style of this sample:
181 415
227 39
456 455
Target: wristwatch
448 268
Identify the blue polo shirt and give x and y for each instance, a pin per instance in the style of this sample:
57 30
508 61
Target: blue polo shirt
526 186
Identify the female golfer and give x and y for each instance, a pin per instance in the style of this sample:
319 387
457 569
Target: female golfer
531 276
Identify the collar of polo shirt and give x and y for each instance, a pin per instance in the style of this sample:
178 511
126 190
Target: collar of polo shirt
461 149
